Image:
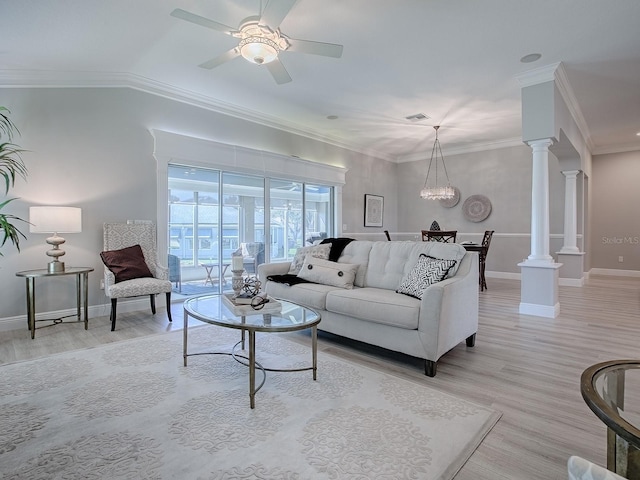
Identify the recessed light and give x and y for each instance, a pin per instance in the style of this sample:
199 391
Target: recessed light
532 57
332 117
638 134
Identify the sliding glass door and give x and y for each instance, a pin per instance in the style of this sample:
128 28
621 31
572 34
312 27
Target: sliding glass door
213 214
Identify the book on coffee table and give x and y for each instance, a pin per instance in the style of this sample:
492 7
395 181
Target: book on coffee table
240 309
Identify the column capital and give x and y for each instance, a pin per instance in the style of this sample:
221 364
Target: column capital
542 144
571 173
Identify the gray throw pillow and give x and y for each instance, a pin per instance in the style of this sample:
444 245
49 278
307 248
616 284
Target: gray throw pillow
317 251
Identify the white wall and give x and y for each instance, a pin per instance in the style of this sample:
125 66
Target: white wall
91 147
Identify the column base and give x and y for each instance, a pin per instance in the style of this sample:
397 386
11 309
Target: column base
572 271
539 288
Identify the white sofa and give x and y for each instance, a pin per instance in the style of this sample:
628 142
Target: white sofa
372 312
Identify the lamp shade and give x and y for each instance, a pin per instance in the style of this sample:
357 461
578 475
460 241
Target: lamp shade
55 219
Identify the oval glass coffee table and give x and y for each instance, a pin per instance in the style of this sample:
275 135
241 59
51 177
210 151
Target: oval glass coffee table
612 392
288 317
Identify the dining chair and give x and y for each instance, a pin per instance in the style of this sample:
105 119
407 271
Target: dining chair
444 236
131 265
486 242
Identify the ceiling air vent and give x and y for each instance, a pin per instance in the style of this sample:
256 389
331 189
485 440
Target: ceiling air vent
417 117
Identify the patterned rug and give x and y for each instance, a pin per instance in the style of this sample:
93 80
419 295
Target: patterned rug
132 410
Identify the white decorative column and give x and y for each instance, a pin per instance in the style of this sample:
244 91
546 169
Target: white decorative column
539 287
540 202
572 259
570 212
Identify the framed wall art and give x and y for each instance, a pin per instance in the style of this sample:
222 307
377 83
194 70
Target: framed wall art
373 210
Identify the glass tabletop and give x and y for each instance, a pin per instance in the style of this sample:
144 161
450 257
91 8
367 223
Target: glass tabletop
211 309
612 391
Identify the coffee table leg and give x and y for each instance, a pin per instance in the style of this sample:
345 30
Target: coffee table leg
252 368
184 337
314 349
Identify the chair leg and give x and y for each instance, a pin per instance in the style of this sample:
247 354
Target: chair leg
169 306
152 297
114 303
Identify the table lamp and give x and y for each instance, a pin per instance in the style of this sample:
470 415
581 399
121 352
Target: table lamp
55 220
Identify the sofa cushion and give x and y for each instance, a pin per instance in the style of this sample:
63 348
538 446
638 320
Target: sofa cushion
425 272
311 295
327 272
376 305
318 251
357 253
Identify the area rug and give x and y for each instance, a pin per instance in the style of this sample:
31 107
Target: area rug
132 410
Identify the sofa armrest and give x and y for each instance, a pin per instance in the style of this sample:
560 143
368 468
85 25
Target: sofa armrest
266 269
449 309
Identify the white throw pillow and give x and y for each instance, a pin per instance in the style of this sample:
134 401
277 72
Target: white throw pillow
317 251
327 272
426 271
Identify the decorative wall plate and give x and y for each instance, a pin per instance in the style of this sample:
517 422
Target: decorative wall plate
476 208
451 202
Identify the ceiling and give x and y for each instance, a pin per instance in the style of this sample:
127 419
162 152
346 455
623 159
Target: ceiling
456 61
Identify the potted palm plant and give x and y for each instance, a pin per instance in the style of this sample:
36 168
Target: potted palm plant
11 167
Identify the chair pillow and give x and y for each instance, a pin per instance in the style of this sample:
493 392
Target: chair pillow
327 272
426 271
127 263
318 251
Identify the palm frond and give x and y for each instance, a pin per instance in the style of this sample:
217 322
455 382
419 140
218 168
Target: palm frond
9 230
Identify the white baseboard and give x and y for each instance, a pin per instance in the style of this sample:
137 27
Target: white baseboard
571 282
124 306
505 275
547 311
615 272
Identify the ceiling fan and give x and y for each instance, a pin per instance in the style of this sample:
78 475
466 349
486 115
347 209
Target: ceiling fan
261 40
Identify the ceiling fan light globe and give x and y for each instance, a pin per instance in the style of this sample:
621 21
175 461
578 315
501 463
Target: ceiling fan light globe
258 50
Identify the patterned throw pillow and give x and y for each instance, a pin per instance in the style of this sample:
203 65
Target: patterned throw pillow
317 251
426 271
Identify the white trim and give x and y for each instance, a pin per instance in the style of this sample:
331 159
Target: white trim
539 310
615 272
571 282
476 147
51 79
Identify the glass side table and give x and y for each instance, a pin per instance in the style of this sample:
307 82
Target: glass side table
612 392
82 294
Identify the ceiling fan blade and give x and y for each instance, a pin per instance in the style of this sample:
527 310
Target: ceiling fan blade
275 11
278 72
225 57
205 22
315 48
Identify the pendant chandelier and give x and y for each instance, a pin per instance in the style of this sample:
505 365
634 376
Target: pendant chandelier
435 190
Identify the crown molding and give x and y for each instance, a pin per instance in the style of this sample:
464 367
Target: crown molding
53 79
476 147
627 147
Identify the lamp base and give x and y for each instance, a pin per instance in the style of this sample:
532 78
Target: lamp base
55 267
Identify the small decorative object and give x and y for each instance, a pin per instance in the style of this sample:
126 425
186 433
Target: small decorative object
50 219
435 226
237 269
476 208
434 190
251 286
373 210
453 201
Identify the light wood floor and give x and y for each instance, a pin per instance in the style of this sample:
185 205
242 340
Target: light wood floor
526 367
